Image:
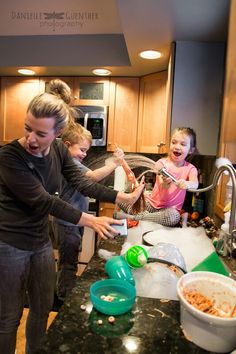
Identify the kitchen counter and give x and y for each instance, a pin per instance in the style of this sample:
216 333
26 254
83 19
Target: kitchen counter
153 326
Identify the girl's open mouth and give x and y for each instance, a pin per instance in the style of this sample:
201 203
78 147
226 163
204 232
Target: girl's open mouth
177 153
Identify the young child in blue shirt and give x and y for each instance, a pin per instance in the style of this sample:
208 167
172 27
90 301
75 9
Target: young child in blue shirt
69 236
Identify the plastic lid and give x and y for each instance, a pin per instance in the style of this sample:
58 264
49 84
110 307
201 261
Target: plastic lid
136 256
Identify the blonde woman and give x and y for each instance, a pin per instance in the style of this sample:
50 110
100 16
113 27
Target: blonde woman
30 172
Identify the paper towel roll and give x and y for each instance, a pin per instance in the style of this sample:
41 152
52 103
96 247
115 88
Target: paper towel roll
120 179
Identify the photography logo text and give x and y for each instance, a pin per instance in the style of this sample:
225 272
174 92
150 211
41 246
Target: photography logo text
55 20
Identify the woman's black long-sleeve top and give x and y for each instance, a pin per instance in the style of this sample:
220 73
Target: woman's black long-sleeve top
27 187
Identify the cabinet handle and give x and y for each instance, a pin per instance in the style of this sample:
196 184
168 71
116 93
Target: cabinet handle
161 144
101 209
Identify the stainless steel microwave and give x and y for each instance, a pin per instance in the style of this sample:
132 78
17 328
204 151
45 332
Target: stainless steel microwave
93 118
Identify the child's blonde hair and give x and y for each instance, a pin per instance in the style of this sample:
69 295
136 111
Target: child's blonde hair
76 134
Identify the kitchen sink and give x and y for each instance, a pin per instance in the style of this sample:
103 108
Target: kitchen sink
230 265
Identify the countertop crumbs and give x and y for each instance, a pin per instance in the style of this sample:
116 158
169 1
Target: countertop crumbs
111 319
161 312
150 315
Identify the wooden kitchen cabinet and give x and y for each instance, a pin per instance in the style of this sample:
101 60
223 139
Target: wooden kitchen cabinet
153 122
16 94
220 197
106 209
123 114
228 128
91 91
227 146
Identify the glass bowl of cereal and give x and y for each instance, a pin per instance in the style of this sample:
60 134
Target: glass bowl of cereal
208 310
112 296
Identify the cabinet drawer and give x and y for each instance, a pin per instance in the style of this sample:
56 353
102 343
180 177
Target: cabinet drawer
106 209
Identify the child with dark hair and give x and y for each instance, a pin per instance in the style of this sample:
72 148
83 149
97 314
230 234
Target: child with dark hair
163 205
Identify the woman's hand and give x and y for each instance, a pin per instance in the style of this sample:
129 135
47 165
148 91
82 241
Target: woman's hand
131 198
102 225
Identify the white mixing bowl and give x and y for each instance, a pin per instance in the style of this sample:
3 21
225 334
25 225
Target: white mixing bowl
210 332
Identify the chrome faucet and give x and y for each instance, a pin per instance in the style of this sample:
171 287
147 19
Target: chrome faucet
231 242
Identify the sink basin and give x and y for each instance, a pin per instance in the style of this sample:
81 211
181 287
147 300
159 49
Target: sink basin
230 264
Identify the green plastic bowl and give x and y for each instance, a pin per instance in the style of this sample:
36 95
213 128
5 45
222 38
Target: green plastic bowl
112 296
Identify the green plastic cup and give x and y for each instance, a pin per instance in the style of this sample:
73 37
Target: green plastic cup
117 268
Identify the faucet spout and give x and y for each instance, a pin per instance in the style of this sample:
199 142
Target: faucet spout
232 221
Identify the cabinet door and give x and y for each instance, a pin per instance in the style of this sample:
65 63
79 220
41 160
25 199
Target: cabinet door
227 146
91 91
228 128
16 94
220 197
123 114
106 209
153 125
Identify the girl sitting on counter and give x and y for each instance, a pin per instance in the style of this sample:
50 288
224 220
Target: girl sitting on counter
165 202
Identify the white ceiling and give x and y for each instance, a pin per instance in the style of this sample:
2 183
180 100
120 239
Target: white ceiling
73 37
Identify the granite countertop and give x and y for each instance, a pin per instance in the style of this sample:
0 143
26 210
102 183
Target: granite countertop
153 325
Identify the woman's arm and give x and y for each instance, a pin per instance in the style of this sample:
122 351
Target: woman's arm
130 198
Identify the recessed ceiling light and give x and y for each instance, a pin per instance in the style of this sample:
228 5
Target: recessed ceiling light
102 72
150 54
26 72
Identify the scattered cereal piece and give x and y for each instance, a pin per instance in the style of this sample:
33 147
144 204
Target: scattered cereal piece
83 307
100 322
150 315
111 319
161 312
